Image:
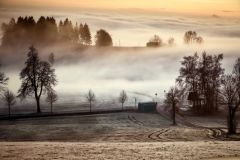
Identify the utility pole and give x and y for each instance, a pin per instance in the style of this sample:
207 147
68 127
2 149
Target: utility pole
135 99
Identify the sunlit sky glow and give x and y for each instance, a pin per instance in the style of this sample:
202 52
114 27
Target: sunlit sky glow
201 7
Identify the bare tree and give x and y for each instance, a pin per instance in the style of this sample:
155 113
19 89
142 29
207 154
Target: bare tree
123 98
37 77
230 89
3 81
51 98
9 99
91 98
172 98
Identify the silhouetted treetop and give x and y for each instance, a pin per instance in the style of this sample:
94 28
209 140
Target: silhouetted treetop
155 41
103 38
38 77
85 35
191 37
27 31
201 77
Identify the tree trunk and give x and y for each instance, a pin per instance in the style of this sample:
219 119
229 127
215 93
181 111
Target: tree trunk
90 107
38 105
122 106
9 110
231 119
173 113
216 102
51 108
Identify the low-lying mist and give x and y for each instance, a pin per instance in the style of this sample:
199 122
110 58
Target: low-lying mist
142 72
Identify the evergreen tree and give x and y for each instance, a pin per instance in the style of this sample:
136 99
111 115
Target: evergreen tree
85 34
76 33
81 33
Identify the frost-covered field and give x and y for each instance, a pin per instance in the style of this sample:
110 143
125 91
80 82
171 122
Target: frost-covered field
150 150
113 127
126 135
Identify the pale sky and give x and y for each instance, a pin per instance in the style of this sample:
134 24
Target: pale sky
200 7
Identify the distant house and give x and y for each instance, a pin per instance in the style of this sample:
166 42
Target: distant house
153 44
147 107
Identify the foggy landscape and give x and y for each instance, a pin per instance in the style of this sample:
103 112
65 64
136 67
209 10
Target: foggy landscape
148 69
153 80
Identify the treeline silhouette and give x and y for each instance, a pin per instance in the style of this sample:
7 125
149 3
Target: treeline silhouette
190 37
26 31
202 76
156 41
46 31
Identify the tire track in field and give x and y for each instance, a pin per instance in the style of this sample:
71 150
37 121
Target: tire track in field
155 136
135 121
213 133
159 135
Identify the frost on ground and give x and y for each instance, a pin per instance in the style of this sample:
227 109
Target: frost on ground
126 135
150 150
114 127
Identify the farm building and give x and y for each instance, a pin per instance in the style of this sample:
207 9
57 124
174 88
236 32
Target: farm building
147 107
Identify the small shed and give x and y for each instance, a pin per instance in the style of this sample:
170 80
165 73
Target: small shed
147 107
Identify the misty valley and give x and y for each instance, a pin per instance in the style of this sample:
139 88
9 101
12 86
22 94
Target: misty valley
96 84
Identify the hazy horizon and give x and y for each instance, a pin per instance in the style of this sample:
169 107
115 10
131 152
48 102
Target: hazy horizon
190 7
145 71
135 29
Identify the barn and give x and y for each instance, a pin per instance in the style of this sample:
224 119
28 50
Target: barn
147 107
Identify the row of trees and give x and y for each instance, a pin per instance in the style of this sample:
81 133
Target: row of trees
156 41
190 37
92 98
206 85
10 99
201 76
38 78
26 31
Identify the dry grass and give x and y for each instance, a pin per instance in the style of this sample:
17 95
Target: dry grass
113 136
157 150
